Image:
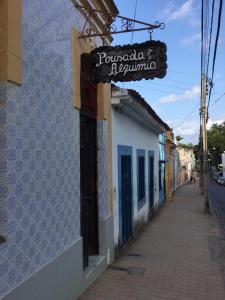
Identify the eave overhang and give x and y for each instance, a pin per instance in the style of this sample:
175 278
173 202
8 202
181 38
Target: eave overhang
133 105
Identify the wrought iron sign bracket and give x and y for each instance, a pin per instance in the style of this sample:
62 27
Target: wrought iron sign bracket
90 29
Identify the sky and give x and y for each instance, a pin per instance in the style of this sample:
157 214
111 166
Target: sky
176 97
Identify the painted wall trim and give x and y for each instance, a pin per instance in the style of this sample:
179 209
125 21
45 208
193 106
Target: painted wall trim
104 101
110 152
10 41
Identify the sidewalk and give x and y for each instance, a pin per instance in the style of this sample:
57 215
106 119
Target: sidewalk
178 256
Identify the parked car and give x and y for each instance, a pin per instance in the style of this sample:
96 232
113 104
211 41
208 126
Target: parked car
221 180
215 176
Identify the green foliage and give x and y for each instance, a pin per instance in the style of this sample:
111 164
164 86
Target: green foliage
187 146
179 138
216 142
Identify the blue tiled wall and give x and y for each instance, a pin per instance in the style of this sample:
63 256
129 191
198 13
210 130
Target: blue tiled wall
39 146
103 188
3 154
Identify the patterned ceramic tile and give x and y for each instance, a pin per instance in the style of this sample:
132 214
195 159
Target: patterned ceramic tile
103 191
39 146
3 155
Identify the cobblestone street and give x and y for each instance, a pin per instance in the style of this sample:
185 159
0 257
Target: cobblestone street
179 255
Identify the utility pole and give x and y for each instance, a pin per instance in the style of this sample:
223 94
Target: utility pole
204 144
201 184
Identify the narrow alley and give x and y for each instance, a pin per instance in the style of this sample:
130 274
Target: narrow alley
179 255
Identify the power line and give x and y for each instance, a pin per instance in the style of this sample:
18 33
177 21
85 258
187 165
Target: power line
215 50
179 81
135 10
184 73
150 89
171 86
210 37
189 115
205 37
218 99
202 36
206 31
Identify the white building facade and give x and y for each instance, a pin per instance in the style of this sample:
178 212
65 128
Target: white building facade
223 163
135 154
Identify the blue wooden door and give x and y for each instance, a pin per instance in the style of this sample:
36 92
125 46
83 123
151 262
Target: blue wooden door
151 182
161 182
126 195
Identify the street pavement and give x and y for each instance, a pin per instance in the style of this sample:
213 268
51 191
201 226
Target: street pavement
179 255
217 200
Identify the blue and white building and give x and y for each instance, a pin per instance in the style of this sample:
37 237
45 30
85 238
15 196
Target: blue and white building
136 156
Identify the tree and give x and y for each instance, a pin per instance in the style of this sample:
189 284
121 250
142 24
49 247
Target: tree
187 146
216 142
179 138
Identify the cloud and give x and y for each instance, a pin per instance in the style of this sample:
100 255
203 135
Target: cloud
188 128
172 122
214 121
191 39
186 95
173 12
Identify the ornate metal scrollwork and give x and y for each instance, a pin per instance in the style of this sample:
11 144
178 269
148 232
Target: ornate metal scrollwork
126 24
112 26
90 30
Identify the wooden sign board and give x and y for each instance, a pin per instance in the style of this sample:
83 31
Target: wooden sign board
129 62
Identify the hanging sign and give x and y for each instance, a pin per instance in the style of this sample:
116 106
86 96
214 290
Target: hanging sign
129 62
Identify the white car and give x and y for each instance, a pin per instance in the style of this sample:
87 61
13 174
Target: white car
221 180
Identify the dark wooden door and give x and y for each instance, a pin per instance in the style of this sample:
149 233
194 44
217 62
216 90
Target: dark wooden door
151 185
126 198
88 163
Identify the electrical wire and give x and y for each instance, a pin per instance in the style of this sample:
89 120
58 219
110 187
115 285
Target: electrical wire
179 81
215 51
150 89
218 99
135 11
179 72
210 37
202 13
203 37
170 86
206 29
189 115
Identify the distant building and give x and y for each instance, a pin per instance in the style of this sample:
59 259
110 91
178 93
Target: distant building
223 163
187 163
172 161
